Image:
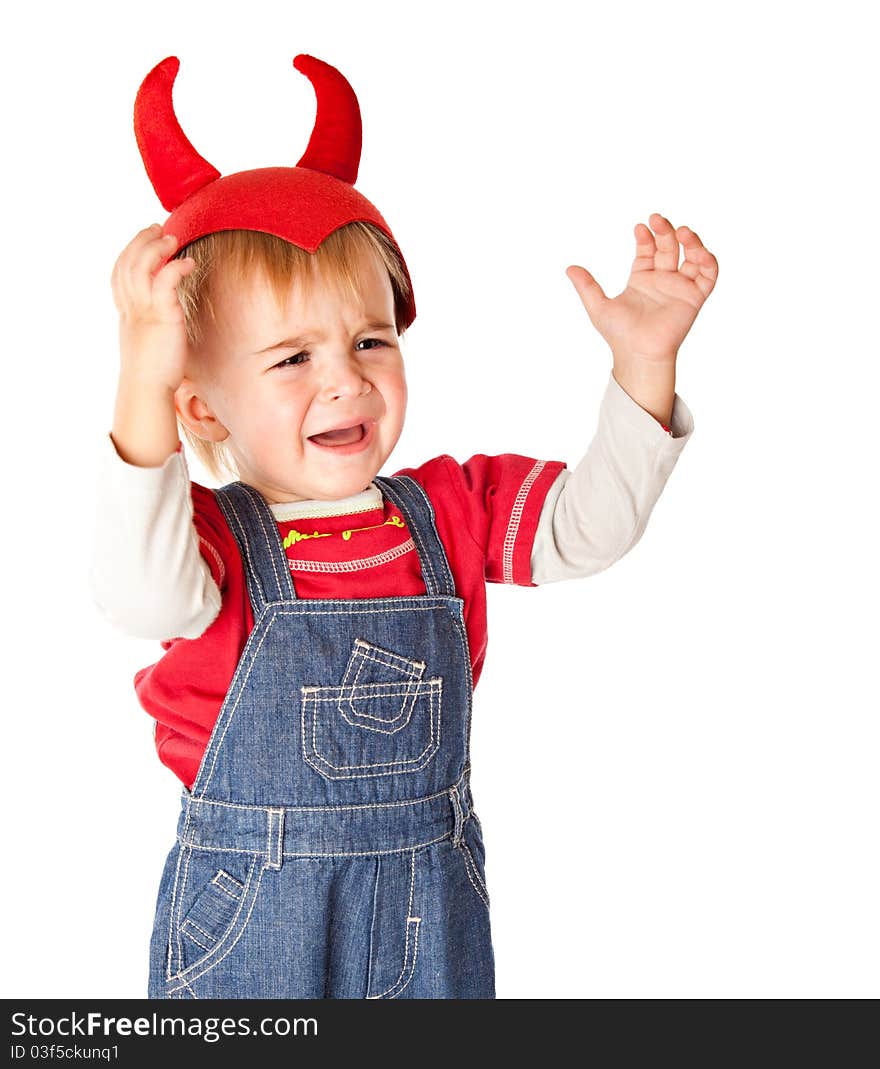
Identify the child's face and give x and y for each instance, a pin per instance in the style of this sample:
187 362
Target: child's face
339 364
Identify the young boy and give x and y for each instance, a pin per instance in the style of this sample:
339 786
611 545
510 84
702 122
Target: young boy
329 623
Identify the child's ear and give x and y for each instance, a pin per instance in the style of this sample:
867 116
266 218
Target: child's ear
195 412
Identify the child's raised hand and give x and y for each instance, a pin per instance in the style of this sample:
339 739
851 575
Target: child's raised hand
152 335
651 318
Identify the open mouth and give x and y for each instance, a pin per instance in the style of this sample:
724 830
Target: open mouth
343 436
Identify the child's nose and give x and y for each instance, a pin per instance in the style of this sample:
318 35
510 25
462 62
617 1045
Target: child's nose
343 377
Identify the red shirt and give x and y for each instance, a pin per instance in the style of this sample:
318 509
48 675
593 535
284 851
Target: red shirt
486 511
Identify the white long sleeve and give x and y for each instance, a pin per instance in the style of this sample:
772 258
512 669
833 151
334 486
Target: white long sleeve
147 575
596 513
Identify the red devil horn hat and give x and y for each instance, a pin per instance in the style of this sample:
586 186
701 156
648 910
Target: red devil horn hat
302 204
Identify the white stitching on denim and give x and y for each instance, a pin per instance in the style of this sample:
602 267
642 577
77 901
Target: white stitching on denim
410 765
231 510
364 652
516 518
273 546
181 921
180 910
170 948
190 923
201 802
392 725
399 766
186 929
275 838
369 691
317 853
237 886
434 686
373 925
367 651
418 491
362 690
233 924
399 984
410 919
249 661
191 991
399 491
469 863
412 969
424 554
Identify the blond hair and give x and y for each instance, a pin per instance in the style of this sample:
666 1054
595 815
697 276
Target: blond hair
241 254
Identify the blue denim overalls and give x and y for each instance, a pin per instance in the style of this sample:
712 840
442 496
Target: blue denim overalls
328 847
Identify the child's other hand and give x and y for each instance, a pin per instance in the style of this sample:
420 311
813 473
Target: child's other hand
152 334
650 319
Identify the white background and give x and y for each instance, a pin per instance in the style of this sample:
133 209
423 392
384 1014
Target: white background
675 761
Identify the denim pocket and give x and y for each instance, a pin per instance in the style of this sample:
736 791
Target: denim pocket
394 727
382 719
211 913
379 688
371 663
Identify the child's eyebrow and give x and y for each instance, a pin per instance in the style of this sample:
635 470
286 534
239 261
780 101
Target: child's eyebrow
302 339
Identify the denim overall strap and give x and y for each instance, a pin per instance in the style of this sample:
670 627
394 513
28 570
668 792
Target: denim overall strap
256 530
414 504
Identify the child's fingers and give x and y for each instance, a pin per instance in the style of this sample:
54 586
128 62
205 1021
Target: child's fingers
646 249
143 264
134 252
668 251
167 278
122 268
699 264
172 272
156 254
592 295
146 274
691 243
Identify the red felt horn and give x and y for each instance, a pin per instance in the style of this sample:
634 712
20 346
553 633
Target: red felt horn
335 145
173 165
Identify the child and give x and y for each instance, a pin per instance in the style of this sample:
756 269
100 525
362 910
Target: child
329 623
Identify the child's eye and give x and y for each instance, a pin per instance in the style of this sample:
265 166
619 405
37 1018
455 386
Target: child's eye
291 361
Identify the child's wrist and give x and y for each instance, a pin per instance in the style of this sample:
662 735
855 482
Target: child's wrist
650 384
140 381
